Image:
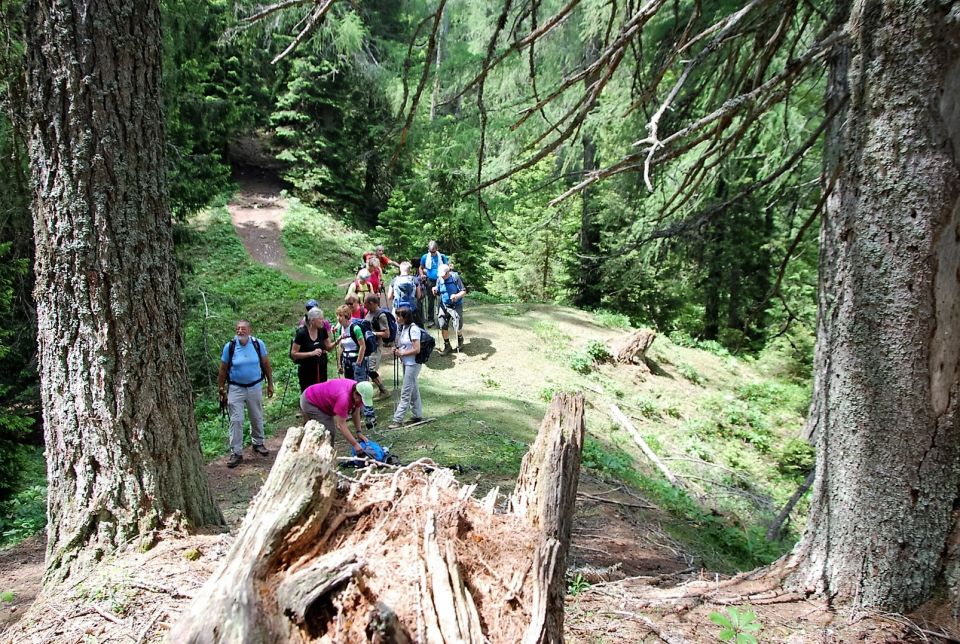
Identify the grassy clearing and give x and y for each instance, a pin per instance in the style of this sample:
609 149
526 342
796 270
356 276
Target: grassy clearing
726 425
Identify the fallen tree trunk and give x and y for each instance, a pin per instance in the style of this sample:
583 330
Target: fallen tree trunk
397 555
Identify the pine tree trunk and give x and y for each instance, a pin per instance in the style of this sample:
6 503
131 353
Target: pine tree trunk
123 455
885 414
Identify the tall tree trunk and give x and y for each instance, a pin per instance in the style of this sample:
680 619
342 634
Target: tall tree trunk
123 454
885 409
588 293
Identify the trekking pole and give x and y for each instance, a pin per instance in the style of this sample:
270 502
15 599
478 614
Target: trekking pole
283 398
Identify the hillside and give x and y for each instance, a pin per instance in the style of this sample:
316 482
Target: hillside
725 425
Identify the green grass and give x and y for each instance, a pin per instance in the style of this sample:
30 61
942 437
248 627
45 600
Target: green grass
321 246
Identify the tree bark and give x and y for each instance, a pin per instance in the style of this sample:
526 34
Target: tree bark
634 348
398 554
886 386
123 454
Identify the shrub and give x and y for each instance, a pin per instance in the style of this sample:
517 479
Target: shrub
796 457
611 320
582 363
689 373
598 351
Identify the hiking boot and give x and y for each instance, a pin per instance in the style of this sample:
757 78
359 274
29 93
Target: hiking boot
447 349
416 419
383 393
261 450
370 423
394 425
459 341
234 460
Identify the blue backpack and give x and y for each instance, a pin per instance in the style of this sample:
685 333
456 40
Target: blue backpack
372 450
392 327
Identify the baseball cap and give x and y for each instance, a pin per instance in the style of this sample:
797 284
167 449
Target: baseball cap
311 304
364 274
365 389
443 269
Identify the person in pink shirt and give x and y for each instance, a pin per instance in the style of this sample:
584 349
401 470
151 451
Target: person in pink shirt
331 403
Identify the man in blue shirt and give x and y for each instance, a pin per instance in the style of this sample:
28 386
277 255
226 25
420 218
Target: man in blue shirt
243 366
451 292
429 263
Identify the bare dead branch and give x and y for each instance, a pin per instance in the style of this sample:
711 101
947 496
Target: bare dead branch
315 18
264 12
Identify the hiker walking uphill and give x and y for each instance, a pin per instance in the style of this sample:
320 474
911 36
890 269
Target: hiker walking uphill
309 349
243 367
408 346
405 292
429 263
451 292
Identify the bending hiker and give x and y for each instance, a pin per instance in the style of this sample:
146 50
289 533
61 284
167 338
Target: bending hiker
361 286
405 292
309 349
353 359
243 366
331 403
451 291
377 318
408 346
429 263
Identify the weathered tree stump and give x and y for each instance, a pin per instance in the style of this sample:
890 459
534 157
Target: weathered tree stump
634 349
397 555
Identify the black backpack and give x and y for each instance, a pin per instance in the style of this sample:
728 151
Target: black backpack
369 337
427 345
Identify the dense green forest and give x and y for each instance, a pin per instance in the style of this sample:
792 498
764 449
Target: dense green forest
386 114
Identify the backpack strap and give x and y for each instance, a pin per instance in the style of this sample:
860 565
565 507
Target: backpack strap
232 349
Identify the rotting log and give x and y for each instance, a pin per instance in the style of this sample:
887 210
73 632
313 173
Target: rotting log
399 554
634 349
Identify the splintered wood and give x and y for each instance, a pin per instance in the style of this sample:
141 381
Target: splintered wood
397 555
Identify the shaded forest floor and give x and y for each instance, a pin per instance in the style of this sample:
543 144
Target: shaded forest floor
638 572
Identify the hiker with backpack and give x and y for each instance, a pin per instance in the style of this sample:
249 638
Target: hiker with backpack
385 262
429 263
408 351
451 292
361 287
384 326
309 349
355 342
331 403
243 367
405 292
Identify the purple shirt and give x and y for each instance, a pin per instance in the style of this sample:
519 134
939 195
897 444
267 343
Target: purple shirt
334 397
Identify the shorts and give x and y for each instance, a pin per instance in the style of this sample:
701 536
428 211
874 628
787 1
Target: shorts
448 314
373 361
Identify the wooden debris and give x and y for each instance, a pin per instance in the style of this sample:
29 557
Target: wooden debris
634 349
624 422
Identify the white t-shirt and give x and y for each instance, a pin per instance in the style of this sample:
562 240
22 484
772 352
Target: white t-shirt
405 339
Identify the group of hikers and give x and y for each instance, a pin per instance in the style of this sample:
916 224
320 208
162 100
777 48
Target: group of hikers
375 319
